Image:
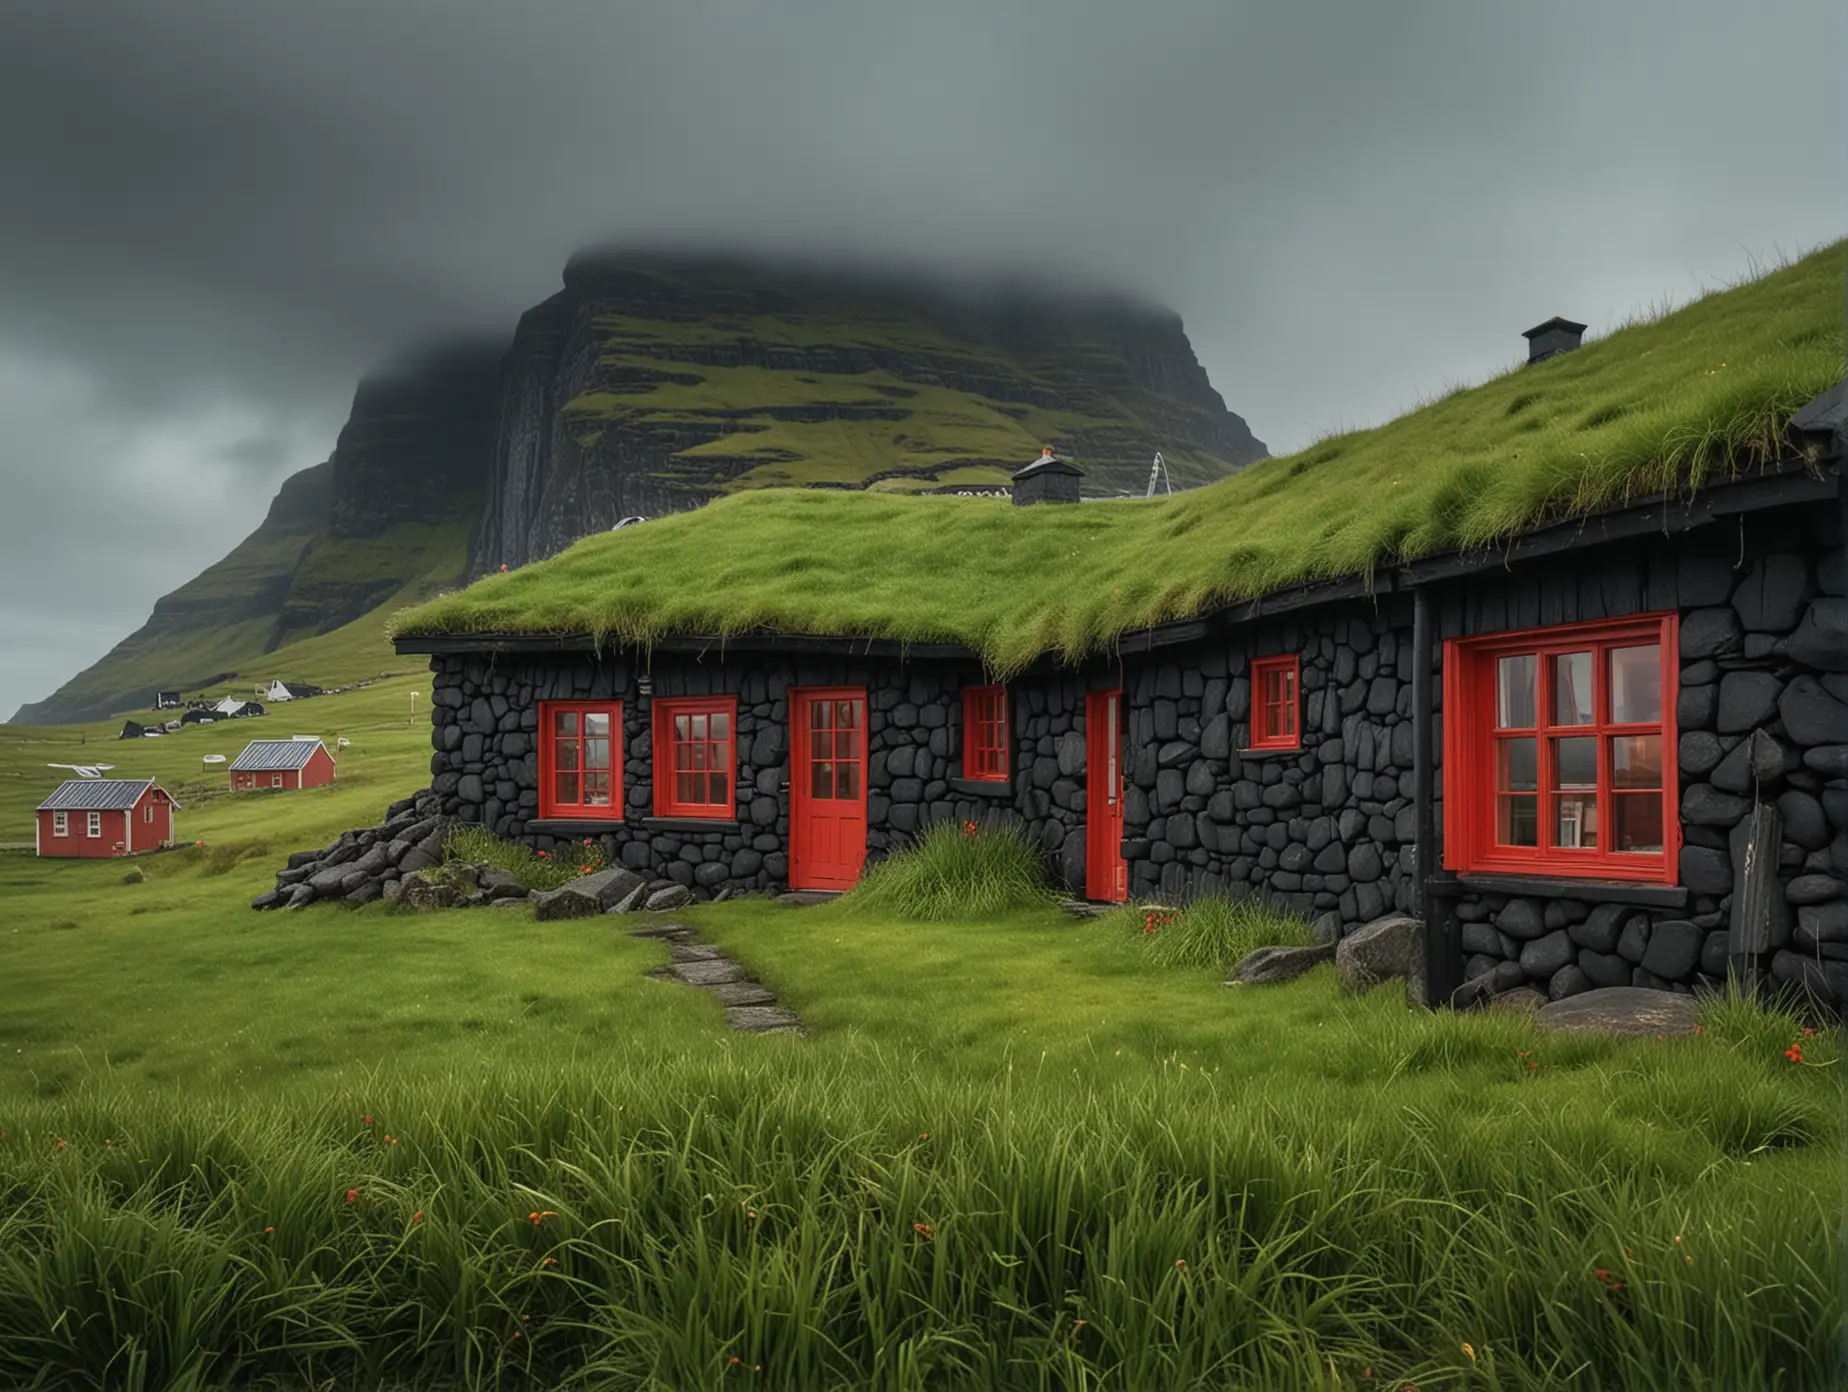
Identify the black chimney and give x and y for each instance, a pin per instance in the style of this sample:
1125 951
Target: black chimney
1048 479
1555 336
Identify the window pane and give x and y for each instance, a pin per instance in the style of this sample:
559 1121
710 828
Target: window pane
682 729
683 756
846 714
1636 761
1575 763
821 779
846 745
699 754
1636 684
721 726
596 753
818 715
565 788
1517 766
597 723
565 754
1639 821
565 723
1572 693
1575 821
699 727
1514 692
1516 820
596 790
715 789
847 780
683 787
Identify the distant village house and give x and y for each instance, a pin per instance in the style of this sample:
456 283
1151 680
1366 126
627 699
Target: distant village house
282 764
98 817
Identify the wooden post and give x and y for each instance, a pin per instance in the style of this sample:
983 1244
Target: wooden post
1760 918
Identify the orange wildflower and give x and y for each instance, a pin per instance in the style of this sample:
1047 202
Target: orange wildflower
352 1196
1794 1053
540 1215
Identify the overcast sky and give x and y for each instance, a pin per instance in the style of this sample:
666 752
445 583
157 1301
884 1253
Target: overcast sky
215 215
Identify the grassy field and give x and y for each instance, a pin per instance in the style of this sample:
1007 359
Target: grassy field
1676 402
464 1148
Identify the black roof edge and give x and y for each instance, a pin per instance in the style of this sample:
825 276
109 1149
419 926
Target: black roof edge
1792 481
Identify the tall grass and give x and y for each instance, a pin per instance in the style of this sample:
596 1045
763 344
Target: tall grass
778 1218
956 870
1211 931
479 846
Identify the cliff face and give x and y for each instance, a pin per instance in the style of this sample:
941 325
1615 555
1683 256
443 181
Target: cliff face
651 384
392 508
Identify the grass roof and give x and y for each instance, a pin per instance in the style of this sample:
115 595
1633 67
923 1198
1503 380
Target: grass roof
1683 399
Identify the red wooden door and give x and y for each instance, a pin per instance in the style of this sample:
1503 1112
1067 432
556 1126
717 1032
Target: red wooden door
827 787
1106 876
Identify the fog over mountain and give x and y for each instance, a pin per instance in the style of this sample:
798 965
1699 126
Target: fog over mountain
216 215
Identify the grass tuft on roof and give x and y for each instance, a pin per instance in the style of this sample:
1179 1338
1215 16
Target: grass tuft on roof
1682 400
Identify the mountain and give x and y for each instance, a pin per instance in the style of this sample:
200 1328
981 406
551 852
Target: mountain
652 383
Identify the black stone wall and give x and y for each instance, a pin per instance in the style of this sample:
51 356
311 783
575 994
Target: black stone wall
1762 718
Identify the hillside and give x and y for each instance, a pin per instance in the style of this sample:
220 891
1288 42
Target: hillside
654 384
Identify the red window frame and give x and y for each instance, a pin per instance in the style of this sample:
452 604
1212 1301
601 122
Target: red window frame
1276 702
1479 753
555 798
684 758
985 734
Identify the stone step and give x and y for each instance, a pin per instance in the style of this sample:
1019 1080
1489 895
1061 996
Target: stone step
707 973
679 951
808 898
1080 908
762 1019
743 993
661 930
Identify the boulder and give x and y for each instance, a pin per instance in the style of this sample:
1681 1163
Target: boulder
1813 889
364 893
267 900
417 858
1747 700
608 887
1811 715
671 897
1269 965
1379 951
1327 929
1821 639
301 896
1600 929
567 901
415 892
1522 1000
1623 1010
1522 918
630 902
1544 956
326 882
1674 949
1604 968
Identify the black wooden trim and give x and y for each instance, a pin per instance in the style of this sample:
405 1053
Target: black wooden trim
1659 513
1443 952
1548 887
692 824
983 788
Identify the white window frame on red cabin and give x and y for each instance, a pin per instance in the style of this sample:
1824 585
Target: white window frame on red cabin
275 780
60 824
95 826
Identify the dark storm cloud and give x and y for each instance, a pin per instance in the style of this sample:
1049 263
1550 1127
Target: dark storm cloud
213 216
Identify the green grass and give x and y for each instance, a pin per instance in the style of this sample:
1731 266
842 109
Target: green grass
1212 931
999 1128
1678 402
479 846
956 871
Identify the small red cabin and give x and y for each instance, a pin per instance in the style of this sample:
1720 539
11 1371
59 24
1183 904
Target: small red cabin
290 763
105 817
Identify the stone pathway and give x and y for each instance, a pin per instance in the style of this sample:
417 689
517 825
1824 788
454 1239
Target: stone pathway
749 1005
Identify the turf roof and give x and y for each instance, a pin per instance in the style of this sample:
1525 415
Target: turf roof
1688 398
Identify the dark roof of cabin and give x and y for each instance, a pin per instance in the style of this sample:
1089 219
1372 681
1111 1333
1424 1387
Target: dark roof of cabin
1554 323
265 756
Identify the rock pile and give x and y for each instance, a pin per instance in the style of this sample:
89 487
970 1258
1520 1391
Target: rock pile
361 865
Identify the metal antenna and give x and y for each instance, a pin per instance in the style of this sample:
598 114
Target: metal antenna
1159 471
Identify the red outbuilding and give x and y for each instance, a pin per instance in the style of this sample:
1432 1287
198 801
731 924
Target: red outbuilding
290 763
105 817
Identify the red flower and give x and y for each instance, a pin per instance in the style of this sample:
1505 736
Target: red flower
366 1120
1794 1053
417 1217
921 1229
60 1145
352 1196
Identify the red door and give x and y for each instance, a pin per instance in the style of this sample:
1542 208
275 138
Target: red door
1106 876
827 787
